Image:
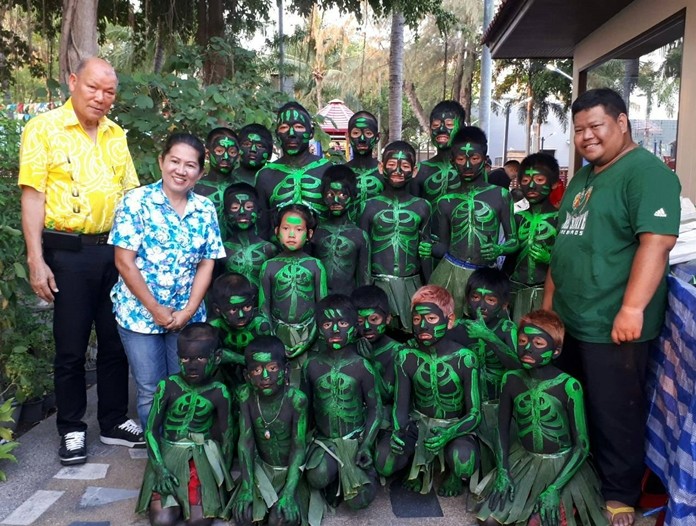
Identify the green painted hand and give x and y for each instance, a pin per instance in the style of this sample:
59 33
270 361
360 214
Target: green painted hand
477 329
441 437
288 509
425 249
549 506
503 490
242 507
166 482
490 251
539 253
397 441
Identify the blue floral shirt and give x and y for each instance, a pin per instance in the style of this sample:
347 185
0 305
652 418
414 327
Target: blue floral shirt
168 249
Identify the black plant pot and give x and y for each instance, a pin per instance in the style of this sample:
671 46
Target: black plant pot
49 403
32 411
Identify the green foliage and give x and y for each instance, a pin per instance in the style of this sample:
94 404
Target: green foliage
27 350
6 435
523 78
25 373
13 273
151 106
16 53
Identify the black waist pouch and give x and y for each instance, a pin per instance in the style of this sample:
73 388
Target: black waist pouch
62 240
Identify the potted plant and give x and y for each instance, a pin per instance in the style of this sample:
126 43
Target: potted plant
26 354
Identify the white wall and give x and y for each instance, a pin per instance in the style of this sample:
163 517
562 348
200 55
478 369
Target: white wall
555 137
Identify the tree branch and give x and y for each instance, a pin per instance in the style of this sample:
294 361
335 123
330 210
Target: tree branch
423 118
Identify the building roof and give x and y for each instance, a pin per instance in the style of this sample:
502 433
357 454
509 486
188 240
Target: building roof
337 112
546 28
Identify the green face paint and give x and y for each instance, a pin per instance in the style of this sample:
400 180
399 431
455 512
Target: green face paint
254 150
363 136
469 161
236 300
262 357
335 328
292 232
443 127
223 155
241 211
240 312
485 302
294 131
535 185
429 323
535 346
372 324
398 168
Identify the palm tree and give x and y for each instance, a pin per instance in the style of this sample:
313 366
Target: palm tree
530 80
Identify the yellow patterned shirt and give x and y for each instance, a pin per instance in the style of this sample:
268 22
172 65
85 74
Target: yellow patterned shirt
83 181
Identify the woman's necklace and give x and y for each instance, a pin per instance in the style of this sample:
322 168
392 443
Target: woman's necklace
266 425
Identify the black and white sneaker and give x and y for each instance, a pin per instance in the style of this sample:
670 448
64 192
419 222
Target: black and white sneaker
127 434
73 448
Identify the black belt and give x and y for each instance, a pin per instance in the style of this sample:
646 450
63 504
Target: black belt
54 239
94 239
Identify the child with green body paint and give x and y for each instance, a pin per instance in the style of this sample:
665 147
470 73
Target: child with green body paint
187 474
537 228
255 150
436 401
342 247
397 223
296 176
234 303
373 319
490 334
363 134
246 250
273 431
346 408
291 285
437 175
222 146
543 475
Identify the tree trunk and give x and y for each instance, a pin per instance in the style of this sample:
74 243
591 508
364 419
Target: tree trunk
396 76
417 107
158 61
210 25
78 34
528 122
459 52
472 51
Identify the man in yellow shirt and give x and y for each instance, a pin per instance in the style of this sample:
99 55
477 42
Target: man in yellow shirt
74 168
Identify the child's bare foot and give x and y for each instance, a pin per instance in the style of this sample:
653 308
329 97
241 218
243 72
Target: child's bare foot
619 514
452 486
415 485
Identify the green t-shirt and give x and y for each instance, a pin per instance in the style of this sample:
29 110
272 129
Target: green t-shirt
599 221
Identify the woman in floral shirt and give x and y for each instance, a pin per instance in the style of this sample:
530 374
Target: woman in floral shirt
166 239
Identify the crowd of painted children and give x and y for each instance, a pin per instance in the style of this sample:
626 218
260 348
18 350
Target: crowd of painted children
339 367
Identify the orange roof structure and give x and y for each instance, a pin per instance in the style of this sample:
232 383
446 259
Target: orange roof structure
336 115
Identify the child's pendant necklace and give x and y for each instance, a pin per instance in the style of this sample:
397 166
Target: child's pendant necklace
266 425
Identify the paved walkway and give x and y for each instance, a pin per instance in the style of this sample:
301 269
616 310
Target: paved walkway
40 492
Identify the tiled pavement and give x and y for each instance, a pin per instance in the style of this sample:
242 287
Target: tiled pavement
40 492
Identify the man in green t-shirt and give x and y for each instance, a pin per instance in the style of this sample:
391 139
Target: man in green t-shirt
618 220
